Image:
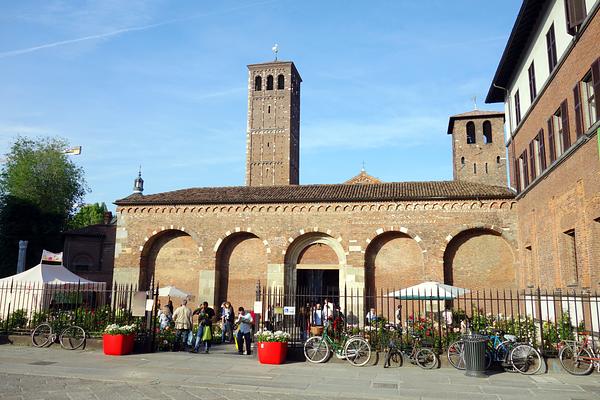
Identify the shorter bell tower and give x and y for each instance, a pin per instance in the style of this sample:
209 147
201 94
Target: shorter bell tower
478 150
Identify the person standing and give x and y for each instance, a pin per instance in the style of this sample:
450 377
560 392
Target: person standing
165 318
205 319
227 318
327 312
244 319
317 317
183 324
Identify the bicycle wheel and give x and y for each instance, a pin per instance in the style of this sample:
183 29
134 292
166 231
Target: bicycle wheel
426 358
503 350
316 350
41 335
72 338
575 360
456 354
357 351
393 358
525 359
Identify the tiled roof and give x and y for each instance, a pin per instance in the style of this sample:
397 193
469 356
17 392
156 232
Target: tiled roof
472 114
392 191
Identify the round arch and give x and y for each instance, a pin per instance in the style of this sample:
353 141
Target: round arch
169 257
393 259
239 256
478 258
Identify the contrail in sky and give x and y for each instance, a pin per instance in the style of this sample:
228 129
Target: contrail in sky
11 53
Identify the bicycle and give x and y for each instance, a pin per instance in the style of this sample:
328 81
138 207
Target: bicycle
579 358
499 346
525 359
70 338
422 356
354 349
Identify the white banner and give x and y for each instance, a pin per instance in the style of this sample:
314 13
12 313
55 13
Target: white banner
48 256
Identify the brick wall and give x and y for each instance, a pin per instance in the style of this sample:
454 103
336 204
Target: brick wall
260 241
566 199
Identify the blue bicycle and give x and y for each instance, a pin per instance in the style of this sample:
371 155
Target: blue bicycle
498 350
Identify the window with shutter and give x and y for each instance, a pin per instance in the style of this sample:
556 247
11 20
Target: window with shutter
525 169
542 150
588 102
596 85
566 136
517 174
576 13
534 171
517 107
270 82
551 49
577 108
551 140
532 89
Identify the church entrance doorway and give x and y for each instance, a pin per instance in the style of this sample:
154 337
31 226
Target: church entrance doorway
317 284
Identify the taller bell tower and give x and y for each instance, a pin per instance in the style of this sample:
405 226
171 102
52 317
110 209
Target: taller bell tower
273 133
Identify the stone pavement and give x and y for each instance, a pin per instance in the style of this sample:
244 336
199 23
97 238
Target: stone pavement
30 373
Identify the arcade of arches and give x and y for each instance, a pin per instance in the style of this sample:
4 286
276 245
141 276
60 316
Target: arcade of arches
320 263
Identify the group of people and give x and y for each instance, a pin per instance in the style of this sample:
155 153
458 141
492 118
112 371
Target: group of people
183 320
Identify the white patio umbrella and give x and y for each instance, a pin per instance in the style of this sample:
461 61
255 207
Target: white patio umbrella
429 291
172 291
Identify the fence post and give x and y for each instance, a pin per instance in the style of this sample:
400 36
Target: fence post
539 311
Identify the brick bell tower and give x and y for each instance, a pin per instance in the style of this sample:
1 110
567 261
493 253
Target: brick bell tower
478 150
273 133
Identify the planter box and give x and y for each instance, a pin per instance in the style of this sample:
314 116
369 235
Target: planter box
118 345
272 352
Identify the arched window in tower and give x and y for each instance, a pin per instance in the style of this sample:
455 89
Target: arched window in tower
280 81
462 161
497 159
487 132
270 82
258 83
475 168
470 132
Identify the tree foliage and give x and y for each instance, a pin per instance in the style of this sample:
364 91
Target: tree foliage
89 214
39 190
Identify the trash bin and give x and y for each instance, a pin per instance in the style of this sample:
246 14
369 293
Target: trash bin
475 346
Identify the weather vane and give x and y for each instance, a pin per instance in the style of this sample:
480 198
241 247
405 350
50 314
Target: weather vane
275 50
474 98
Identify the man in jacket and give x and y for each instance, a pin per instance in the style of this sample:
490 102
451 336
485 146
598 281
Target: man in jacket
245 321
183 324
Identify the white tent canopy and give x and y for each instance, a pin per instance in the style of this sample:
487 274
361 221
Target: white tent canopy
429 291
172 291
49 274
37 288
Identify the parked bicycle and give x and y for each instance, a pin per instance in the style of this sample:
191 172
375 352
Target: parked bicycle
498 350
354 349
424 357
72 337
580 357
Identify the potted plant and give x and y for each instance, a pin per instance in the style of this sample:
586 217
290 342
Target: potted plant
272 346
117 340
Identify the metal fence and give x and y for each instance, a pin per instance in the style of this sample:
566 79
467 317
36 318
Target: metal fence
542 317
92 306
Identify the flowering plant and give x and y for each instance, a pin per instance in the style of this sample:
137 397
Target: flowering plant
268 336
114 329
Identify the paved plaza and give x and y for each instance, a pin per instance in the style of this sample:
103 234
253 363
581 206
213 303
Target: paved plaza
30 373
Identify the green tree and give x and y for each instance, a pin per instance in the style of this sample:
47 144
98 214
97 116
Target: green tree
39 189
89 214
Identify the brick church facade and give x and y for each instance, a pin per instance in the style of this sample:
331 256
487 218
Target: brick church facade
367 235
217 243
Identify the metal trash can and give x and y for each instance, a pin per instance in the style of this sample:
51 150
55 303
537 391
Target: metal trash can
475 346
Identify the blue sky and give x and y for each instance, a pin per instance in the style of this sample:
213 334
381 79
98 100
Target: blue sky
163 83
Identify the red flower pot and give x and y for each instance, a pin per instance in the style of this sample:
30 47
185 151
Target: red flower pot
118 345
272 352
